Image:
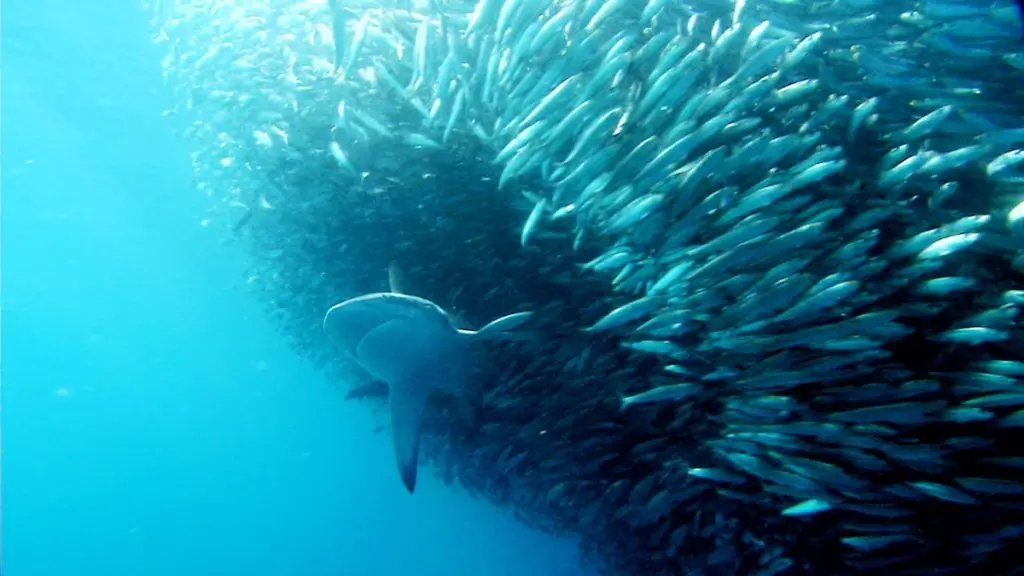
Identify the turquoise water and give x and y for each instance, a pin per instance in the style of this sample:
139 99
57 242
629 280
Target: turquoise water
154 423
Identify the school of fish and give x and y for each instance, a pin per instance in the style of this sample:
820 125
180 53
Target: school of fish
774 251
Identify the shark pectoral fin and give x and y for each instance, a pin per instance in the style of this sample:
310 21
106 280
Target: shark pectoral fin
497 336
504 324
407 407
517 336
502 328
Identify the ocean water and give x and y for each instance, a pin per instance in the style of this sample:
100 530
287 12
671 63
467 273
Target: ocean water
154 423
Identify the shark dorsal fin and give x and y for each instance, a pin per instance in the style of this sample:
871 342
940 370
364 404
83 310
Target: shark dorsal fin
396 279
398 284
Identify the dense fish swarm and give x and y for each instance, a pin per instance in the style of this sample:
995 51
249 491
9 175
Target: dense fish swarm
776 250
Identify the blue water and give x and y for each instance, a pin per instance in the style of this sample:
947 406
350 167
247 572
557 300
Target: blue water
154 423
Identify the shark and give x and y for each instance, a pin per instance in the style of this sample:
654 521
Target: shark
414 347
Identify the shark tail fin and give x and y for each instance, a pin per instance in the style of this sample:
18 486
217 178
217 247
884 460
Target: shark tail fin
407 407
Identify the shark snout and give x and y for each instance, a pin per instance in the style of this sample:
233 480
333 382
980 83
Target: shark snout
349 322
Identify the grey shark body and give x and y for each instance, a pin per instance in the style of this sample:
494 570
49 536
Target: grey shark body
411 344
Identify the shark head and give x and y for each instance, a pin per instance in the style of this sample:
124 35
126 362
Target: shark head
356 319
410 344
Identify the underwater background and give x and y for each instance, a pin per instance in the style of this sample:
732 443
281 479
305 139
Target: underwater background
154 422
678 287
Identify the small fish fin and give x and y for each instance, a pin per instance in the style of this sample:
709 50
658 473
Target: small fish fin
504 324
396 279
407 406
